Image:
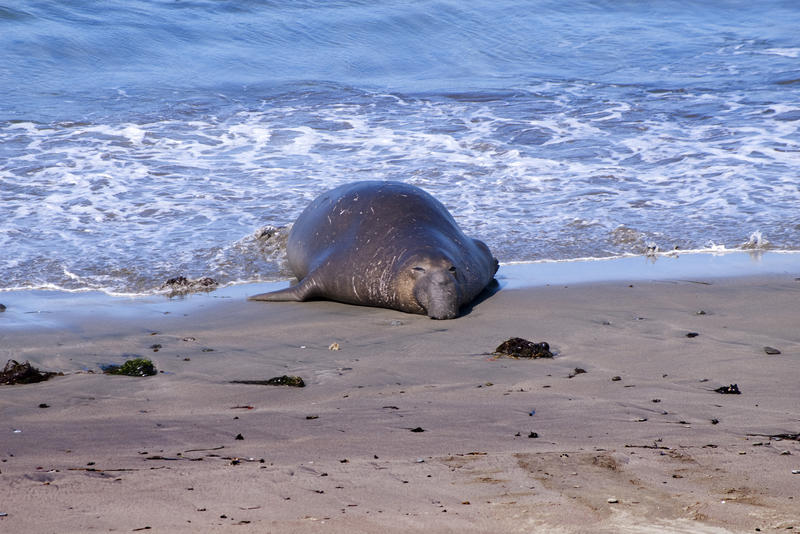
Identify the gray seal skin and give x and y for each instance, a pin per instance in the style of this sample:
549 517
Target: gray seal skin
385 244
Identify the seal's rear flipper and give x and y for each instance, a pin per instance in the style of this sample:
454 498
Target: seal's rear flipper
299 292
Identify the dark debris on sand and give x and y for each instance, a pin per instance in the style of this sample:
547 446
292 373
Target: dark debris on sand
516 347
733 389
783 436
23 373
577 371
181 284
284 380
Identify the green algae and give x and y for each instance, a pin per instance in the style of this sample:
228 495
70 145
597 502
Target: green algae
132 367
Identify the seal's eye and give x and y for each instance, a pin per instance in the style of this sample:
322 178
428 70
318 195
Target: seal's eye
419 269
452 269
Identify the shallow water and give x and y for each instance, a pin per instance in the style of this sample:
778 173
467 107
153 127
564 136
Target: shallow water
145 140
35 309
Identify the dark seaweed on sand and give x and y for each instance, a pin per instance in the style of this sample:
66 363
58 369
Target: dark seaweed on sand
181 285
23 373
516 347
733 389
284 380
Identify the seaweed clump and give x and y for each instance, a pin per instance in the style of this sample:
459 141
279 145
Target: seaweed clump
733 389
132 367
516 347
181 285
23 373
284 380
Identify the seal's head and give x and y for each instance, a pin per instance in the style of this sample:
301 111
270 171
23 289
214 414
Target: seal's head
436 287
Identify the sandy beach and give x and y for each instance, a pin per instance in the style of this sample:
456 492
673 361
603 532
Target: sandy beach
413 425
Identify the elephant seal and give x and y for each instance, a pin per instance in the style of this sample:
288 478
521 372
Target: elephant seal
384 244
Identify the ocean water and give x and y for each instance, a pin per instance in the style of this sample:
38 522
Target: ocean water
146 139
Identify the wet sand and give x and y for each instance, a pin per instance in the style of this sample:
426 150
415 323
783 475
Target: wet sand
639 442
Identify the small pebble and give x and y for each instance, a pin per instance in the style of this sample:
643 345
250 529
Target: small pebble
612 500
333 346
420 460
692 334
796 471
577 371
771 350
616 378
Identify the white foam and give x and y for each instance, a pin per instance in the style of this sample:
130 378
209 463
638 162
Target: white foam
173 196
72 276
785 52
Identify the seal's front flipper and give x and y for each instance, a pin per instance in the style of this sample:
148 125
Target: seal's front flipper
299 292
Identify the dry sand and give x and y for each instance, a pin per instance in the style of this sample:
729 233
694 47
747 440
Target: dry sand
655 450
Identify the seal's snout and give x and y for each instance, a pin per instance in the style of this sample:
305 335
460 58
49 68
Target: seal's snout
437 292
442 314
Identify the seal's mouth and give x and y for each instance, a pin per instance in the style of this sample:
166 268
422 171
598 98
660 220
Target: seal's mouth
442 314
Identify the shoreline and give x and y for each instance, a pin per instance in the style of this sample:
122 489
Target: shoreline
412 424
32 308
